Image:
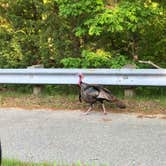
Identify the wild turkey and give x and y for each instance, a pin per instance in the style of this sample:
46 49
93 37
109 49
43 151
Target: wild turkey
92 93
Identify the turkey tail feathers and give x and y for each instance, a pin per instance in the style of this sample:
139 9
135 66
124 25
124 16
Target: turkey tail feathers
120 104
106 95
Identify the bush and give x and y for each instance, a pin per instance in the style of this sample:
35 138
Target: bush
97 59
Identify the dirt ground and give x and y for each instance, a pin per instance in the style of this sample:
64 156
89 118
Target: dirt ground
71 103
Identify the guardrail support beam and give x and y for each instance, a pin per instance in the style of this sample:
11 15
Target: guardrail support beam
37 89
129 92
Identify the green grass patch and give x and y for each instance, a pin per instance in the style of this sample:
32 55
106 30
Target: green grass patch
62 97
7 162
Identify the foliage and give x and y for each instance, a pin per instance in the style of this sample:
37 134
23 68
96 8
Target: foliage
10 54
69 33
127 16
71 62
97 59
76 8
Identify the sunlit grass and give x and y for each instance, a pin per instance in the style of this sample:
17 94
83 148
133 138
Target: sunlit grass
147 100
7 162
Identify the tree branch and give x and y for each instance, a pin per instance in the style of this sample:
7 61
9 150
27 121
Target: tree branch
151 63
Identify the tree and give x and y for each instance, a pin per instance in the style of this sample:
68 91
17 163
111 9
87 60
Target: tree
118 28
63 32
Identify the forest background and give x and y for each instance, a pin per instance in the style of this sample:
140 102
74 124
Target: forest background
82 33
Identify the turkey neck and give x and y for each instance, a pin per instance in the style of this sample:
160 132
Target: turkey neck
80 81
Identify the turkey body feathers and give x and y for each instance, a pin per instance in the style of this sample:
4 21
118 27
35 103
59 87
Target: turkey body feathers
92 93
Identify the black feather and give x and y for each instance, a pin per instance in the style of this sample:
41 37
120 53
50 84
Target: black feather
92 93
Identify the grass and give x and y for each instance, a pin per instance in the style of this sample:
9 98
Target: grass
7 162
147 101
157 99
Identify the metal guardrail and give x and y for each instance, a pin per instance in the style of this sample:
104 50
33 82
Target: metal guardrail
134 77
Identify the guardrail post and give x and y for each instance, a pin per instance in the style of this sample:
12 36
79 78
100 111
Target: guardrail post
129 91
37 88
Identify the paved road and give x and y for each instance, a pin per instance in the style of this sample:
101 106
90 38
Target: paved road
115 139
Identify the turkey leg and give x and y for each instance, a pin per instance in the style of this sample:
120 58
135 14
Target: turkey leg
90 108
103 106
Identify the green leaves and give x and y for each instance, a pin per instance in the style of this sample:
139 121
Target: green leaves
97 59
48 31
125 16
74 8
71 62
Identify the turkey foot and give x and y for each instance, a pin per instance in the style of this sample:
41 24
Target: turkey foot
103 106
87 112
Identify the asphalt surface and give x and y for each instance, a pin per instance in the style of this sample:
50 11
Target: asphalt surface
69 136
